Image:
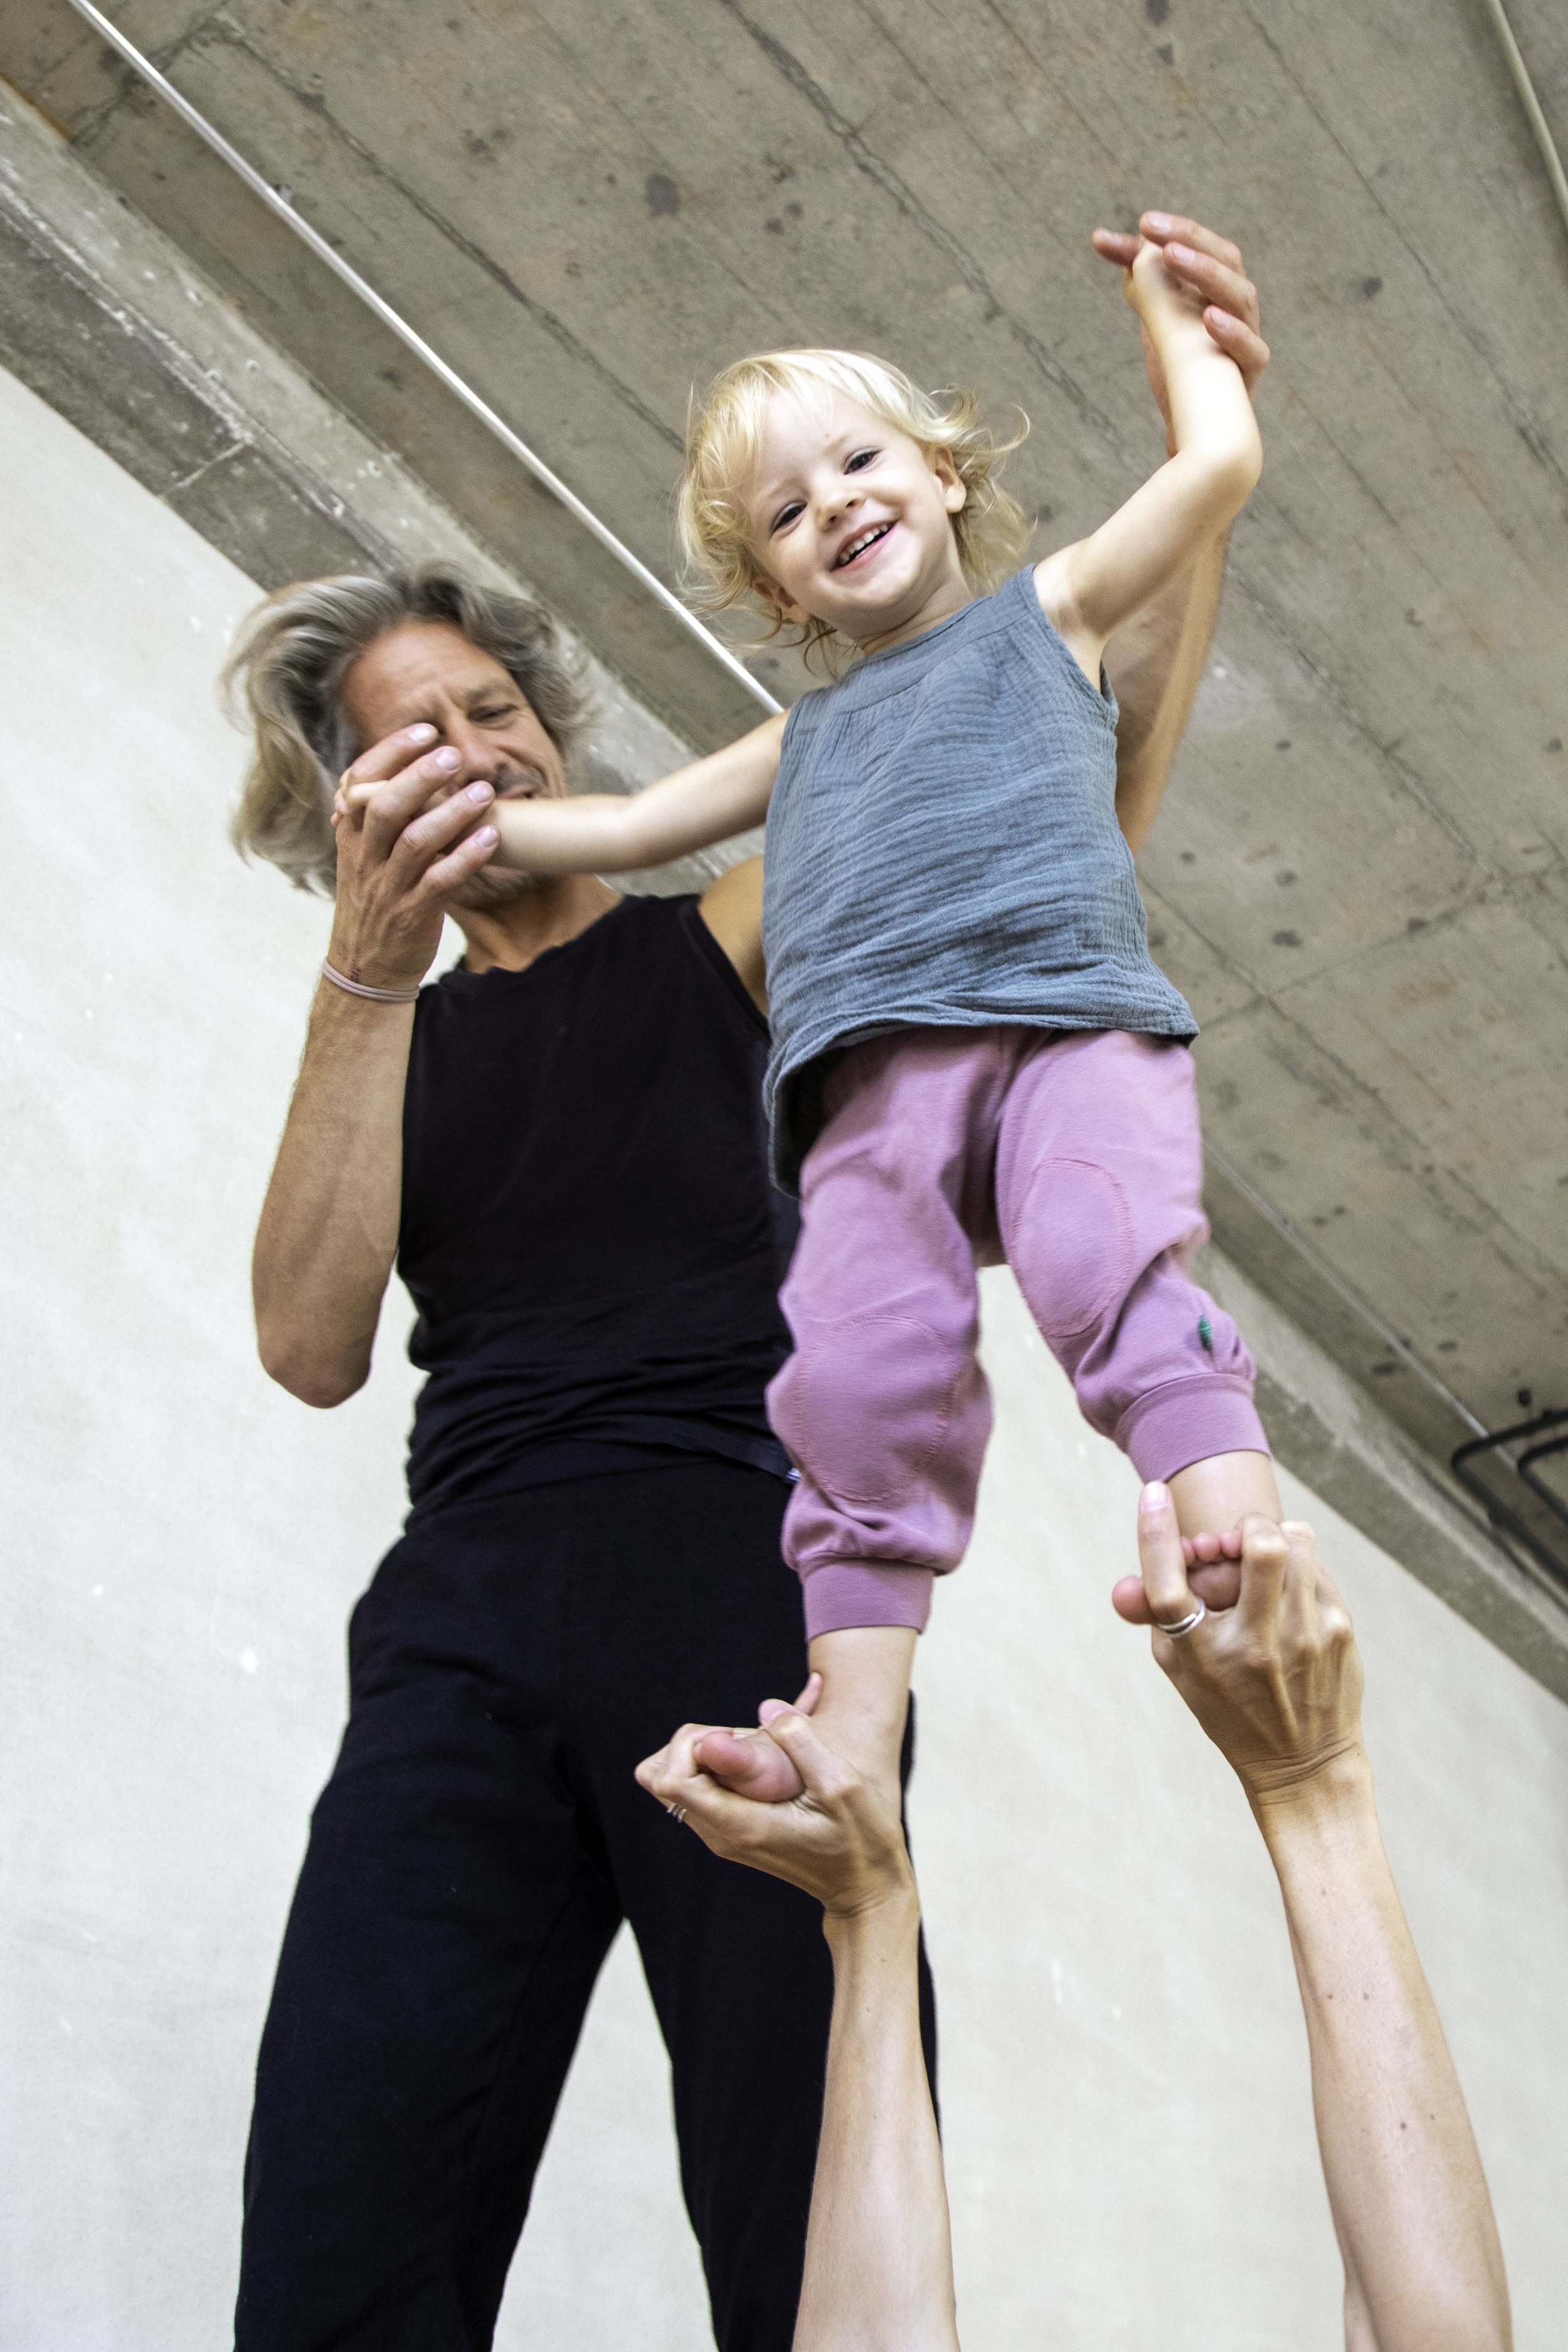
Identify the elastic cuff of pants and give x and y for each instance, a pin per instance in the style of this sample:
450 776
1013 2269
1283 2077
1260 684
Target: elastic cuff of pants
845 1592
1188 1421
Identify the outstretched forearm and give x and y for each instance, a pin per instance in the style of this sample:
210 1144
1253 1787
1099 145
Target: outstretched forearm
603 832
878 2250
1155 665
1424 2268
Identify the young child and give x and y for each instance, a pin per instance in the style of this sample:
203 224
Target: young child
974 1055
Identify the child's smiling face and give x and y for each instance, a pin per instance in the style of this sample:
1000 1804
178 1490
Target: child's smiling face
851 522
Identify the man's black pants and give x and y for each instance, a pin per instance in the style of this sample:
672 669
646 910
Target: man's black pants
470 1859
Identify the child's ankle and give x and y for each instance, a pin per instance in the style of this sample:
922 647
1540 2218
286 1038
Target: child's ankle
865 1699
866 1738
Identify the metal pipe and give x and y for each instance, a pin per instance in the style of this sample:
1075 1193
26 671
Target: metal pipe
1531 104
1501 1514
1532 1478
276 201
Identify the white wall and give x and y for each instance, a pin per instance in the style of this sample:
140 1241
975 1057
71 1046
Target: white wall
184 1543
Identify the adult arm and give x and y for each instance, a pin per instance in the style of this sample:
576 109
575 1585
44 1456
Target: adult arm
1155 664
732 909
327 1235
1090 588
1276 1684
879 2250
1155 661
879 2245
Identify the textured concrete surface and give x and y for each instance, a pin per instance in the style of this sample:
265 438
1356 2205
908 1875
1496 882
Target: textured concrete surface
1361 879
103 320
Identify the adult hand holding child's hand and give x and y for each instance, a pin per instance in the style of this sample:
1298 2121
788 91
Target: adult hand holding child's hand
407 841
1203 265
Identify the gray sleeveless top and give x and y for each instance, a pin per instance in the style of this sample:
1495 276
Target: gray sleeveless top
942 851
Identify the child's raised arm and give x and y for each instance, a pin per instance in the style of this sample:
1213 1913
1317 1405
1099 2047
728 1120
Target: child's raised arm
1088 590
606 833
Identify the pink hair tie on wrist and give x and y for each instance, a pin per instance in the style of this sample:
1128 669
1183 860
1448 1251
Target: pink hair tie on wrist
374 996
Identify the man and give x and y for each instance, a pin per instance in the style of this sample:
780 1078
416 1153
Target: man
1277 1683
560 1145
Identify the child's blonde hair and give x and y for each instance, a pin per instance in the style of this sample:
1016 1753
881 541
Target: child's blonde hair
725 437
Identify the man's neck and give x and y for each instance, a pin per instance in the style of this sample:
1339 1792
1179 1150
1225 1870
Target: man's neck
512 937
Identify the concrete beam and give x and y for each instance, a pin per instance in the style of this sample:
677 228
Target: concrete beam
104 319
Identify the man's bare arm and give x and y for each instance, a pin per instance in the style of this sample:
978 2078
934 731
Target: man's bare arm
1156 662
327 1235
1155 665
732 909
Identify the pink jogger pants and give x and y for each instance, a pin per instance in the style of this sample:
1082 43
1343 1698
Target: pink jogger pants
1080 1151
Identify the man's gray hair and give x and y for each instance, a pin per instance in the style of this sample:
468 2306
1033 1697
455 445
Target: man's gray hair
288 669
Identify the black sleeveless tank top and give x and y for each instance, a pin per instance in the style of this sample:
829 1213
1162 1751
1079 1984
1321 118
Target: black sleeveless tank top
588 1230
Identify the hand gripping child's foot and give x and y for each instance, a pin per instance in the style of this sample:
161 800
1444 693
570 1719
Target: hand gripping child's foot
859 1692
1207 1550
749 1761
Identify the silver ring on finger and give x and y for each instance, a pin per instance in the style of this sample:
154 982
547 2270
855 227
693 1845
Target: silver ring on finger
1183 1624
676 1813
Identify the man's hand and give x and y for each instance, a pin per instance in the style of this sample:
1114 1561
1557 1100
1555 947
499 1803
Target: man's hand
1276 1681
1209 266
840 1840
402 852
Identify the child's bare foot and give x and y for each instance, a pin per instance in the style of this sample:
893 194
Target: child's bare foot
1203 1551
749 1761
1214 1572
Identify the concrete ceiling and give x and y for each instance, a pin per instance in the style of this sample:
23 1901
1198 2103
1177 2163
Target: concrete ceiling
1361 876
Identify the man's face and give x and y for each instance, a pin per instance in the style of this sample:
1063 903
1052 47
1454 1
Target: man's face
428 670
